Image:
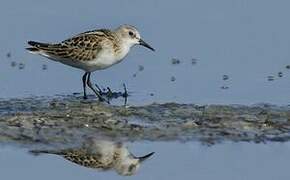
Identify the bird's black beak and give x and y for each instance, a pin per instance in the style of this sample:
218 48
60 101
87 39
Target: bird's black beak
143 158
143 43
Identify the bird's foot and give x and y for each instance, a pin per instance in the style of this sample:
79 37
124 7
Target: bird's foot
100 91
109 94
102 99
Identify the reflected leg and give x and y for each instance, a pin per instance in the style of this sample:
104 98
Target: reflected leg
84 85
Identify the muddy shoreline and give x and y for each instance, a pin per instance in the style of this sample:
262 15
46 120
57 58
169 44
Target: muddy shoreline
68 119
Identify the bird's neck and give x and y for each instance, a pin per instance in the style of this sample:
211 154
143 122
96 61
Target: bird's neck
123 50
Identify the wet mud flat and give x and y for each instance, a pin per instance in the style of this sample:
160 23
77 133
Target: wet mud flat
69 119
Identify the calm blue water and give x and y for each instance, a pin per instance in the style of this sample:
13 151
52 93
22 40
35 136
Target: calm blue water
247 40
171 161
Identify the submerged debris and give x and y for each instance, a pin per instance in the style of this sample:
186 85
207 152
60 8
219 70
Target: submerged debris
172 78
21 66
193 61
271 78
8 55
44 67
175 61
13 64
280 74
140 68
225 77
224 87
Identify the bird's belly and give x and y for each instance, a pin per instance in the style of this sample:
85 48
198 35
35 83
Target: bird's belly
103 62
92 65
105 59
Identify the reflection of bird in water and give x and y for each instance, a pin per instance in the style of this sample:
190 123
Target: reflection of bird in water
103 155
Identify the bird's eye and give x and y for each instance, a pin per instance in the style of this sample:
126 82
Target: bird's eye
131 33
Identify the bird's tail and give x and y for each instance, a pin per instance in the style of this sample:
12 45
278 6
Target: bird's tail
36 47
45 49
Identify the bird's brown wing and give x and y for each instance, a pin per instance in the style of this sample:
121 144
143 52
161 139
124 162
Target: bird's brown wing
82 47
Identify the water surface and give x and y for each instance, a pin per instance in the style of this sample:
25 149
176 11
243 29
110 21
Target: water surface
246 40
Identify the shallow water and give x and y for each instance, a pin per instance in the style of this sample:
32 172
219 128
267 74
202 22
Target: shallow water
240 51
240 39
172 160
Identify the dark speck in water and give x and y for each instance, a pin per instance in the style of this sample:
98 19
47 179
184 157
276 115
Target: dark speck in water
13 64
225 77
271 78
135 74
151 94
280 74
8 55
21 66
44 67
288 67
224 87
175 61
193 61
172 79
140 68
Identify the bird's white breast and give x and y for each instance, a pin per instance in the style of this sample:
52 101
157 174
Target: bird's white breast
106 58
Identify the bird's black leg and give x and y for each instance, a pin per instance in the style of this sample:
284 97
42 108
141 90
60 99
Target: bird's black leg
84 85
91 87
100 90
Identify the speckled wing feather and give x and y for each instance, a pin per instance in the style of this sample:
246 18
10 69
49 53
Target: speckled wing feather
85 159
82 47
78 156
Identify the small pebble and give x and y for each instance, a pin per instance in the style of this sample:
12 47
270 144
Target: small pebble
13 64
140 68
225 77
172 78
21 66
175 61
44 67
280 74
271 78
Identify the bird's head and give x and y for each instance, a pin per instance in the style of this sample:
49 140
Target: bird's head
129 164
130 36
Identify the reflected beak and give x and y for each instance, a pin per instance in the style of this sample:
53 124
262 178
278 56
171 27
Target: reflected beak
143 158
143 43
